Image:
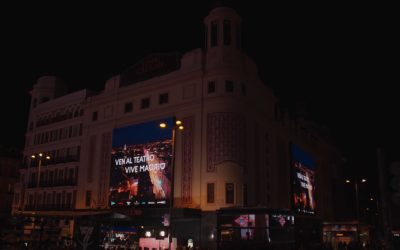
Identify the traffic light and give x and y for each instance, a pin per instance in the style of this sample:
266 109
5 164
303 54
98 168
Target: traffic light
394 169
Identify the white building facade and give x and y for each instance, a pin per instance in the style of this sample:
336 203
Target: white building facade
233 152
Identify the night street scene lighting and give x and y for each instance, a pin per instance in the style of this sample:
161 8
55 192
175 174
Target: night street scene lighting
211 128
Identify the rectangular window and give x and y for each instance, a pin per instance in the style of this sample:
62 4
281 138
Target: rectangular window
71 180
229 193
69 200
30 200
145 103
229 86
163 98
210 192
128 107
214 33
227 32
211 87
48 200
94 116
88 198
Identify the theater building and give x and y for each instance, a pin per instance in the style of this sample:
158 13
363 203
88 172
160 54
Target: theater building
238 148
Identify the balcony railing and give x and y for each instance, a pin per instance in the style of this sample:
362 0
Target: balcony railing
56 160
57 183
49 207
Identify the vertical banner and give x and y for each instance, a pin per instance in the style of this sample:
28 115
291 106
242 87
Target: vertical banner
303 181
141 168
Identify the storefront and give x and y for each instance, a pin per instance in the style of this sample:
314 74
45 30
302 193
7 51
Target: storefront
145 228
255 228
346 233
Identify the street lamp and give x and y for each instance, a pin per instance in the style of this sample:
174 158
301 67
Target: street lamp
176 125
356 181
40 156
363 180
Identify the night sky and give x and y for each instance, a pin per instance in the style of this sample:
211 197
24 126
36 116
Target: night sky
339 60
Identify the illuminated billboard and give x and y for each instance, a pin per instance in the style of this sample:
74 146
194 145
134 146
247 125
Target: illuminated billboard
141 167
303 181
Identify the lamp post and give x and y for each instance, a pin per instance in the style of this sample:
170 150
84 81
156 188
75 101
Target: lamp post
176 125
363 180
40 156
356 182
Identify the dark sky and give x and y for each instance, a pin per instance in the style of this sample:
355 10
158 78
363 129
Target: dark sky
338 59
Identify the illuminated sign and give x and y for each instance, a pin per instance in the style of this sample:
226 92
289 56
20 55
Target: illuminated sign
303 181
141 165
151 66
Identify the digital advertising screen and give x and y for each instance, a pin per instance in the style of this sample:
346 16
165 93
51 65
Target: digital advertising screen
303 180
141 167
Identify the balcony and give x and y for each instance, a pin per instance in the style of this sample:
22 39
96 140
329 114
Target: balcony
57 160
49 207
58 183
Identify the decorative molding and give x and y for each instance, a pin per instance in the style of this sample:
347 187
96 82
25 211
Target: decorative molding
187 159
105 160
92 150
226 136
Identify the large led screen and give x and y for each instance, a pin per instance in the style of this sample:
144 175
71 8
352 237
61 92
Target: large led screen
303 181
141 165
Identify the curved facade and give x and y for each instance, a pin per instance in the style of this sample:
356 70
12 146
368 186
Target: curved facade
234 150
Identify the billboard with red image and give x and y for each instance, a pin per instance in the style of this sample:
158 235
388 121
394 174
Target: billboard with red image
141 165
303 181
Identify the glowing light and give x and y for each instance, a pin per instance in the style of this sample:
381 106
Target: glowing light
40 154
147 234
33 156
371 199
162 233
347 181
363 180
48 157
163 125
180 127
178 122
